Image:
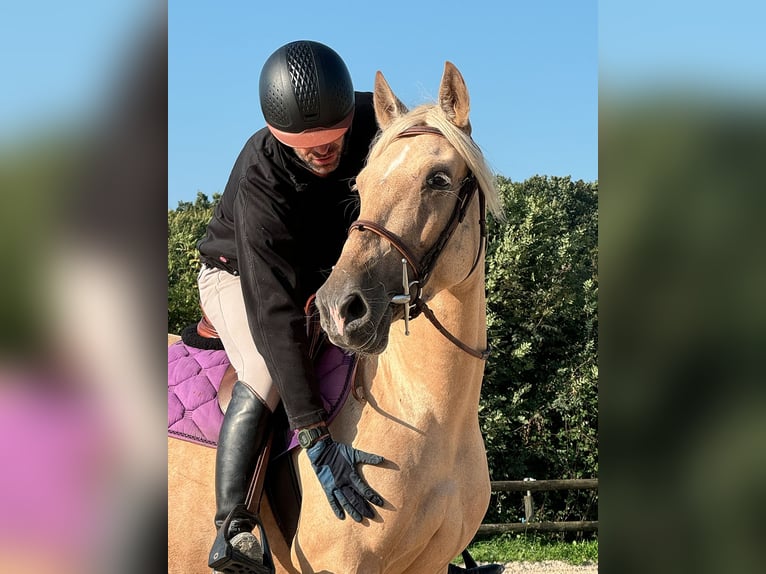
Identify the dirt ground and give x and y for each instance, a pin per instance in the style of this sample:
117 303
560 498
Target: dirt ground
548 567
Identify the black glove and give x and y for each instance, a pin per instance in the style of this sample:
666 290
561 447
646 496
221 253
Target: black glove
334 464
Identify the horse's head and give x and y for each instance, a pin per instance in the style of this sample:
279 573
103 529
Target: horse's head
420 181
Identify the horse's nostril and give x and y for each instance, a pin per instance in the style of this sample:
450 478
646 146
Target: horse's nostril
354 308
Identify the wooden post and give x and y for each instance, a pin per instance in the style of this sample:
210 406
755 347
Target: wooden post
529 507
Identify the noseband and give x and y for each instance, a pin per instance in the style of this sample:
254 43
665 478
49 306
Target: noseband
422 270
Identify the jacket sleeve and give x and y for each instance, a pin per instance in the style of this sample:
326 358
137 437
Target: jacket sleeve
268 260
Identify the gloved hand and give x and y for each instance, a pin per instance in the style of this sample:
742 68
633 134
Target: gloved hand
335 465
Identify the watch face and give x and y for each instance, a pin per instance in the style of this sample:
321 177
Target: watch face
304 438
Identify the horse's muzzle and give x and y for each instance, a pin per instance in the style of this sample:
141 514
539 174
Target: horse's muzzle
356 319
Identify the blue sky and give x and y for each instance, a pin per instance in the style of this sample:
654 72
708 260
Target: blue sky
530 67
713 48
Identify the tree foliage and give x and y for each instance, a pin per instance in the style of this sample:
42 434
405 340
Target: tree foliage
186 225
539 399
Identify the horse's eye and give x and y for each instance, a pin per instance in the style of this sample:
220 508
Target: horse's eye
439 180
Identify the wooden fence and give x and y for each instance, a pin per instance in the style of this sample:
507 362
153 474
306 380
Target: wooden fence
529 525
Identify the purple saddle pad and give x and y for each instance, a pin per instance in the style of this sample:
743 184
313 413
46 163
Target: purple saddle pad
195 375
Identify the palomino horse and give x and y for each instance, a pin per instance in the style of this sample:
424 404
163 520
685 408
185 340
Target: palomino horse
407 295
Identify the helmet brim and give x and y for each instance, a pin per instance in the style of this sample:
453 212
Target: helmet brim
314 137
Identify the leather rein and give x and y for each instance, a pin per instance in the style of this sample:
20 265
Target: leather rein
422 270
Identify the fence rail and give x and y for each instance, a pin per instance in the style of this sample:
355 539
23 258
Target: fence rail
529 525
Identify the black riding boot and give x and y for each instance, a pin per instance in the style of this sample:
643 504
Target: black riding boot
242 437
243 434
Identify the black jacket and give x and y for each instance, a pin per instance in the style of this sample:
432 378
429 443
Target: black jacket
281 229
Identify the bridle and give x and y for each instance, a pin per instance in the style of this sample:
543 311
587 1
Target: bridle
421 270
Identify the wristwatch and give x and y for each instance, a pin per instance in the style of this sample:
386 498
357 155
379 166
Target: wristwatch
309 437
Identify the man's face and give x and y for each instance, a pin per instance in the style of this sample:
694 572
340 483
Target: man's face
322 160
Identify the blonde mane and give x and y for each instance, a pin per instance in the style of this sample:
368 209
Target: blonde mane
432 115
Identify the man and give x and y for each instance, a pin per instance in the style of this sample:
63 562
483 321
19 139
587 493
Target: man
274 236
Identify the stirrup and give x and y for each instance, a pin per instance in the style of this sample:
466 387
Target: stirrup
227 559
472 568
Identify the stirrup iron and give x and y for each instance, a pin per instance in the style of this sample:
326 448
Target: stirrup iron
227 559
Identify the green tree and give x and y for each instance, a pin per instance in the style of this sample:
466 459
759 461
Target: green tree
186 225
539 400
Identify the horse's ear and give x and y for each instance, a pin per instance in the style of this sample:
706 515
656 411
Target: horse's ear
453 97
387 105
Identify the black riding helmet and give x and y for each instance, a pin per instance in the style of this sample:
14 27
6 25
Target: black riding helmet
307 97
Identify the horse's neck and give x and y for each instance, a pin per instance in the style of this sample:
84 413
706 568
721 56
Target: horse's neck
429 370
